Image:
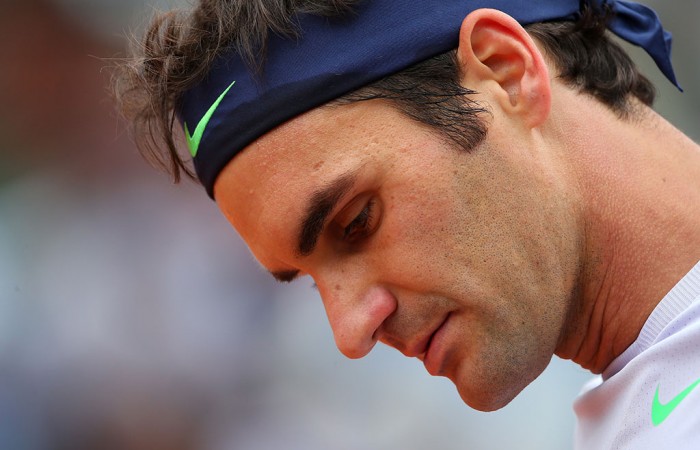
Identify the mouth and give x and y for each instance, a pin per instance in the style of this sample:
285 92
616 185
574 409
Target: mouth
430 355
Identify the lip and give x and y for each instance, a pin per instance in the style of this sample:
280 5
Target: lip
432 359
419 348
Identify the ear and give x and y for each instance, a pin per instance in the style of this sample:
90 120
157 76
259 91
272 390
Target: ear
497 55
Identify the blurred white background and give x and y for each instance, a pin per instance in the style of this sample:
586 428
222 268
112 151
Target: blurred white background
132 317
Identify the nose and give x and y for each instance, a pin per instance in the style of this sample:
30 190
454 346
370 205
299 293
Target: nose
356 317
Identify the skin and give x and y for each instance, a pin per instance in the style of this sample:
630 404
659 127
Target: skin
483 264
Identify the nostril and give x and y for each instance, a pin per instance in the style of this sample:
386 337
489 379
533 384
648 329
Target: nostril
354 347
356 315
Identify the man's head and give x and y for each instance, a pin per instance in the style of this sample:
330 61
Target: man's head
427 206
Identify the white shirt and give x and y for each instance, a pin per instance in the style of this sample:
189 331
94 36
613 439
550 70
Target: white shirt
620 410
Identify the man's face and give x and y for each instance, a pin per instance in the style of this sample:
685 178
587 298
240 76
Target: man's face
468 261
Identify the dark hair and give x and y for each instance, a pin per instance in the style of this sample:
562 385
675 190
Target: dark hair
591 62
179 48
430 92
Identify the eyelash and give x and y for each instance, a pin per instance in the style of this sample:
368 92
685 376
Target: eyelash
360 226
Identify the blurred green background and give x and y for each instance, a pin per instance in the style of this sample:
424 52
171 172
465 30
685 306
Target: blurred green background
132 317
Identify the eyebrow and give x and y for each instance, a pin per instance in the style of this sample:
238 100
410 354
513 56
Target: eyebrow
285 276
322 203
320 206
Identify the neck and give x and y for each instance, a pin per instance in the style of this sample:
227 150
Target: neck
638 181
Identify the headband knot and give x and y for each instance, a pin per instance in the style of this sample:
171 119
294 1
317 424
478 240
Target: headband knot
639 25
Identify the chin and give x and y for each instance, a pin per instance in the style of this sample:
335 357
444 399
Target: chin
491 401
490 393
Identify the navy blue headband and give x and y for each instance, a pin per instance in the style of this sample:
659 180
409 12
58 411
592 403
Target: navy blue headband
233 107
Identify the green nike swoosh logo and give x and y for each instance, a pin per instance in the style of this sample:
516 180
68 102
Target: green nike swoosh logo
193 140
659 411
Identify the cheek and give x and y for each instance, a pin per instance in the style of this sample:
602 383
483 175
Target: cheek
419 240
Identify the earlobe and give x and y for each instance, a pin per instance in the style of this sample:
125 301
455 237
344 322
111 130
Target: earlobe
497 54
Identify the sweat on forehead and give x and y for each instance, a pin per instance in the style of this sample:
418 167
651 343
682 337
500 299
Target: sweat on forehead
233 106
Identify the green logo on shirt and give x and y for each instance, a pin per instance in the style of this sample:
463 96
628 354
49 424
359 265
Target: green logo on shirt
660 411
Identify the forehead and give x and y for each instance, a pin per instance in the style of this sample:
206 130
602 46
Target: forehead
264 191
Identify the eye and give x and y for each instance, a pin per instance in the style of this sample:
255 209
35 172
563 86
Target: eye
363 224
